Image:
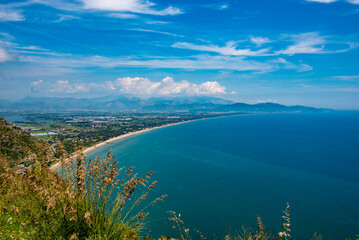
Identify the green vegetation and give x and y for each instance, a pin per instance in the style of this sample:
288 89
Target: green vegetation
18 147
87 202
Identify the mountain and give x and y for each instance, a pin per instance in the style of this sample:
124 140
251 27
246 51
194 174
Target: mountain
134 104
264 107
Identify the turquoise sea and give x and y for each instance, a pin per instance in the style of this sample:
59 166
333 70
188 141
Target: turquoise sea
221 173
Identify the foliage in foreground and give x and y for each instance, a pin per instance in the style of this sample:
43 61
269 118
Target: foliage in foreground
86 202
245 234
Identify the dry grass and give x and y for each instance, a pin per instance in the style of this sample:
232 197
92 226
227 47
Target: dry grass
90 200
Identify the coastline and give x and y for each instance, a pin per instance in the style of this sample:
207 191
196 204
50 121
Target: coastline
123 136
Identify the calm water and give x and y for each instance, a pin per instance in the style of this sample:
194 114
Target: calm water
221 173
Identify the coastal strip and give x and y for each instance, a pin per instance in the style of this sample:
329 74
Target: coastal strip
123 136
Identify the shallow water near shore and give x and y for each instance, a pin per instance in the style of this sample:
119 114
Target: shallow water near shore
221 173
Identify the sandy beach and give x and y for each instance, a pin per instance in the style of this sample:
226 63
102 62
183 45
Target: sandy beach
89 149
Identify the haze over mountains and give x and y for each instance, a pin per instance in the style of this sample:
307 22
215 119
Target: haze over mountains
135 104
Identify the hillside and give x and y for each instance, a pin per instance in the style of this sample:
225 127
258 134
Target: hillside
17 146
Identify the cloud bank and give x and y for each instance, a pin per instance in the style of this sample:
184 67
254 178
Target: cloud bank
59 87
135 86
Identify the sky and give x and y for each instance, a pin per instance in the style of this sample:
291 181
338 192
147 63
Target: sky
293 52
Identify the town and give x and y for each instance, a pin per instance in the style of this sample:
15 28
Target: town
89 128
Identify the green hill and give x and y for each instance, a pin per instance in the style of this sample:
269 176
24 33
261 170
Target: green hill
18 147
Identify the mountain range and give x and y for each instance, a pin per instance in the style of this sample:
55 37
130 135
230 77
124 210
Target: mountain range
135 104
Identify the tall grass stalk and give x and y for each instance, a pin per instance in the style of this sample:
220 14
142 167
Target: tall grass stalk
92 199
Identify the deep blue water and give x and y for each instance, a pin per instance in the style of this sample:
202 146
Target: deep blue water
221 173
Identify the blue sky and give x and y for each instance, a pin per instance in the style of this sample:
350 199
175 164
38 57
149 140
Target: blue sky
286 51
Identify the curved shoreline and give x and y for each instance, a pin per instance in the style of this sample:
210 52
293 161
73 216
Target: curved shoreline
126 135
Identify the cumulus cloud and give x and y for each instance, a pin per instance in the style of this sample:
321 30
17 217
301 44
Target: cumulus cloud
228 49
135 6
8 13
166 87
59 87
135 86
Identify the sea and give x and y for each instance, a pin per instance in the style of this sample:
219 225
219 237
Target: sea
221 173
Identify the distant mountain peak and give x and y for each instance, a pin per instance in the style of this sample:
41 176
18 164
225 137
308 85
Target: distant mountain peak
118 103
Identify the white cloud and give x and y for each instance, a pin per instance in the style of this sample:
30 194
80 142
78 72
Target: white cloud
322 1
314 43
331 1
7 13
303 43
166 87
131 6
122 15
135 86
284 64
259 41
198 62
135 6
229 49
219 7
155 22
347 78
40 59
4 56
155 31
58 4
63 17
59 87
310 42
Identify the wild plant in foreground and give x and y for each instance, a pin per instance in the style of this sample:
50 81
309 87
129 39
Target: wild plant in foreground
261 234
89 200
111 200
251 234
